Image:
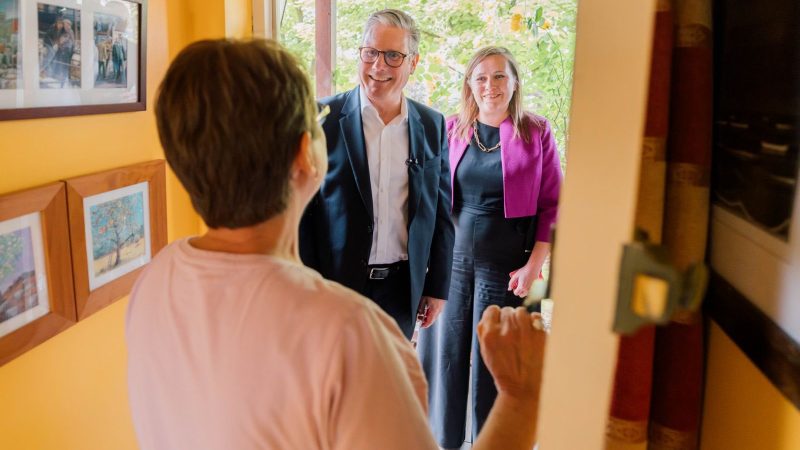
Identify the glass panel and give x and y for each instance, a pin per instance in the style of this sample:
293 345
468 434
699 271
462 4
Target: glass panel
540 33
75 53
296 28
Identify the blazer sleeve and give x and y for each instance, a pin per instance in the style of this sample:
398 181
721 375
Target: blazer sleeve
308 235
547 204
437 280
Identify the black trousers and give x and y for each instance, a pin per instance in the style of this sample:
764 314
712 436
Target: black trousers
393 295
487 249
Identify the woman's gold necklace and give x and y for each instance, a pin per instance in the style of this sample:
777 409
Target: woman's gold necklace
480 144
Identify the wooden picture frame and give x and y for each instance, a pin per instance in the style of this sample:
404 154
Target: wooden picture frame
117 222
72 57
46 208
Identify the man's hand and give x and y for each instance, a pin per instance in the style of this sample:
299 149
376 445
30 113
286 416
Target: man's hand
513 350
435 307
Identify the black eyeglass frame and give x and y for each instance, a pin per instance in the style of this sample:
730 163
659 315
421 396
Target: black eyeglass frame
384 52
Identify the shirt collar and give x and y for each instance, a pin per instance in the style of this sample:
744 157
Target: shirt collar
367 105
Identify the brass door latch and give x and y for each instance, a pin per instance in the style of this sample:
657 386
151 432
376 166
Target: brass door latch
652 289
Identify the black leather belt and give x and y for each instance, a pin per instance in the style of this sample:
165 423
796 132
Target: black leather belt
383 271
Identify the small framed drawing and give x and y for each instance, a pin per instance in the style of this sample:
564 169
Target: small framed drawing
70 57
117 222
36 295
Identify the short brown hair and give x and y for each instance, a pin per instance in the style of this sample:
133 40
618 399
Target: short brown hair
230 116
398 19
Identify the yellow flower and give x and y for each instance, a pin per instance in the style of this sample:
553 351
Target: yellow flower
516 22
546 25
430 86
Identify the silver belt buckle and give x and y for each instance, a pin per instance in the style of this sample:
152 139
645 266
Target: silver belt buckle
378 273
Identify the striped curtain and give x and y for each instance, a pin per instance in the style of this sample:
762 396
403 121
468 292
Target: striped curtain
678 362
657 395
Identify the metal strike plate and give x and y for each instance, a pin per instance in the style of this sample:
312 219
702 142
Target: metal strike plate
650 288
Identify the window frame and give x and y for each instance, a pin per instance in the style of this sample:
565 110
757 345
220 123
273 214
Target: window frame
267 17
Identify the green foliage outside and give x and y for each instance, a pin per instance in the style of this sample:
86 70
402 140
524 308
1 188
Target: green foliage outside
540 34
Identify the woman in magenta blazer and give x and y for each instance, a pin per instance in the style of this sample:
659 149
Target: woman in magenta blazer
506 176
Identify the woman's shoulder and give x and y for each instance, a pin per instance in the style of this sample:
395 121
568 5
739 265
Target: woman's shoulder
536 121
313 287
452 123
535 126
339 306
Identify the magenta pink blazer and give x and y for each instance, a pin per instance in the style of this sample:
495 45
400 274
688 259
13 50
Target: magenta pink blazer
531 172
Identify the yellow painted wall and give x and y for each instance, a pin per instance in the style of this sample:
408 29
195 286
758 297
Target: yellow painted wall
743 411
70 392
190 20
239 18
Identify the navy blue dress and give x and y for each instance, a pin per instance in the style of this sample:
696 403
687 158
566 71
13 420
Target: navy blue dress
487 248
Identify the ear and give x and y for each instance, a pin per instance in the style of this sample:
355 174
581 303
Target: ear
414 62
304 163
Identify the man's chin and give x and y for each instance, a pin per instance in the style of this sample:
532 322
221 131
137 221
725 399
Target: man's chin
377 86
378 89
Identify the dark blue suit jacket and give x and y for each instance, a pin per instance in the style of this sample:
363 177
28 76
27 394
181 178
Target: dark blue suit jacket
336 230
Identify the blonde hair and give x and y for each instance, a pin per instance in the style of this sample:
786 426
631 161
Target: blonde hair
468 109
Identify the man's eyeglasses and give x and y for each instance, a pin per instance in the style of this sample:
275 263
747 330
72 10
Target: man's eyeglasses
323 114
392 58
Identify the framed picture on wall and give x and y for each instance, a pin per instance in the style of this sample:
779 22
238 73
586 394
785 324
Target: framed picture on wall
71 57
117 221
755 224
36 295
117 231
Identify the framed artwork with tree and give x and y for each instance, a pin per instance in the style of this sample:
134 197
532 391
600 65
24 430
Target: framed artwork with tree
117 221
36 296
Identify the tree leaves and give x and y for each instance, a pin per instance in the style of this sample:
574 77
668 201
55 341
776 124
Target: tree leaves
10 253
461 21
116 223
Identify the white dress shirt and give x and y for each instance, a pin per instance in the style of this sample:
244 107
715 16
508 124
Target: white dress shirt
387 152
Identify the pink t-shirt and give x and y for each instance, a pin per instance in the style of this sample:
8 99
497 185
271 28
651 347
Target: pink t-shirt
242 352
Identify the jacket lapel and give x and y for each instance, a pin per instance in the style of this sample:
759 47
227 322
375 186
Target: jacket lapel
353 135
458 147
512 156
416 155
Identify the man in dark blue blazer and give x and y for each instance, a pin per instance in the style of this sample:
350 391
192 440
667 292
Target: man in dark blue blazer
380 223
